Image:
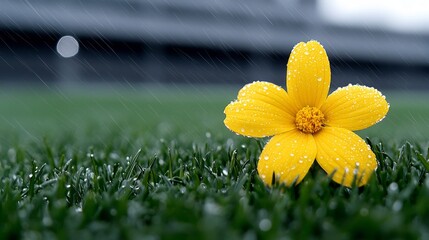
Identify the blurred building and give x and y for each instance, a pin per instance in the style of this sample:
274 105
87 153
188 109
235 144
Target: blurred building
198 41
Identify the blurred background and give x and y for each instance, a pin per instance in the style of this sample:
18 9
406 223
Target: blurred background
202 45
381 43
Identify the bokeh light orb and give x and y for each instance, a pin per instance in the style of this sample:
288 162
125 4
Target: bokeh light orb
67 46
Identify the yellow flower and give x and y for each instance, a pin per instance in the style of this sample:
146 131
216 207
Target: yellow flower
306 123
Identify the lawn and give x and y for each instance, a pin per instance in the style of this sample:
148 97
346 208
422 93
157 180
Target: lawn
116 162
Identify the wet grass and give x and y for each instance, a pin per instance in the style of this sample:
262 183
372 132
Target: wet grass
158 163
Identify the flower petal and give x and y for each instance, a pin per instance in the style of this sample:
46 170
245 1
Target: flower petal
289 156
262 109
308 74
354 107
345 155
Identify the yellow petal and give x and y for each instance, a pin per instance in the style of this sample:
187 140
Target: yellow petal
289 156
308 74
354 107
262 109
344 154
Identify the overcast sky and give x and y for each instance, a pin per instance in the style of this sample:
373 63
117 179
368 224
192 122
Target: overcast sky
410 16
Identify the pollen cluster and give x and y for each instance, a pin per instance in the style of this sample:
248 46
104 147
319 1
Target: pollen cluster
309 119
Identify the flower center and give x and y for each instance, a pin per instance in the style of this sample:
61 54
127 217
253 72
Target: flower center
309 119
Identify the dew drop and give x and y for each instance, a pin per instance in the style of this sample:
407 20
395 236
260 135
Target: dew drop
397 205
265 224
393 187
266 158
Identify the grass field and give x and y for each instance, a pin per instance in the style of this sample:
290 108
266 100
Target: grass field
157 162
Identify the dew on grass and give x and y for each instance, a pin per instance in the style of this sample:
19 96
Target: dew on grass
393 187
161 162
212 208
397 206
265 224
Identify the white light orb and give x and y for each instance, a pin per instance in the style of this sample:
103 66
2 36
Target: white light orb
67 46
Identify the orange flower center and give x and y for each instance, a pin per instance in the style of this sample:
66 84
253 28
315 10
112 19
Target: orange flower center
309 119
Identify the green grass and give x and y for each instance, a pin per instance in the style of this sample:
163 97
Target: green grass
158 163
